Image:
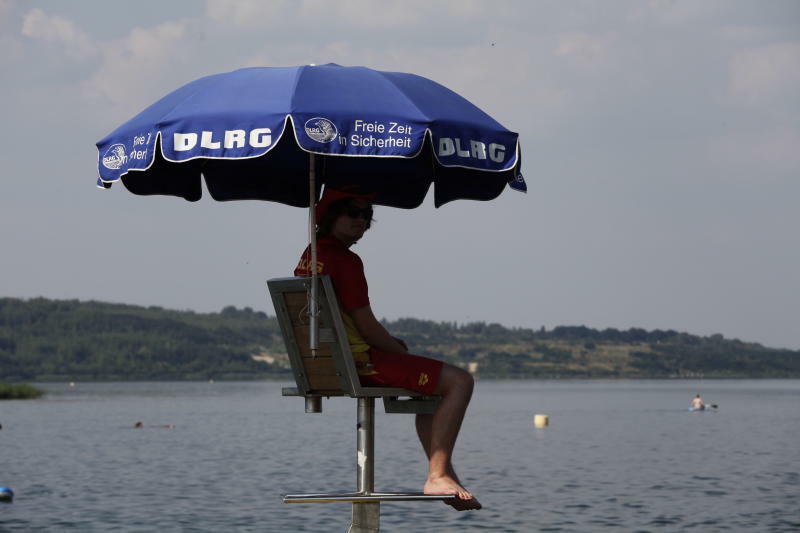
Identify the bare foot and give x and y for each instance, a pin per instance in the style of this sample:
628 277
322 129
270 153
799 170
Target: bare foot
463 500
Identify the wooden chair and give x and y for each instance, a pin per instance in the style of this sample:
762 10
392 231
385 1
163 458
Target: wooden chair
332 372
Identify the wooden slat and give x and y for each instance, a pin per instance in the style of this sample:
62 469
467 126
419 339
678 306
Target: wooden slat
330 383
297 307
296 304
319 366
301 335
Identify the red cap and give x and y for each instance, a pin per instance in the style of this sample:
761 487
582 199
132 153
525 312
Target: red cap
330 196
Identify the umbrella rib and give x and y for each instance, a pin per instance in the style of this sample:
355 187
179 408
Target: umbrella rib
300 72
404 96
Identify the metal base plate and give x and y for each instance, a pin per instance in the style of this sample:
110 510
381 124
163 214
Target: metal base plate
358 497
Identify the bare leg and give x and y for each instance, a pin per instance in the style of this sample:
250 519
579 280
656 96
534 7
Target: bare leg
438 433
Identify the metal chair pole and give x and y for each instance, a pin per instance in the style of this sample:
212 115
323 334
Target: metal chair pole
366 516
313 309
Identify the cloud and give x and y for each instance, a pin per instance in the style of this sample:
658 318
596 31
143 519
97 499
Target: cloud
250 14
671 12
744 33
371 14
781 150
37 24
358 14
586 51
760 74
132 70
6 7
756 156
9 44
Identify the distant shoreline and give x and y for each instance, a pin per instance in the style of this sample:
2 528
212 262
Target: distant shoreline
478 378
44 340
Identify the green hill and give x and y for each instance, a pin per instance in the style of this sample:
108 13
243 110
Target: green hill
43 340
48 340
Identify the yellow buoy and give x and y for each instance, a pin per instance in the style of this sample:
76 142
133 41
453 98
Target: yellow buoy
541 421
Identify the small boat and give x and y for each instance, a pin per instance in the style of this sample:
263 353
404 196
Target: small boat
706 407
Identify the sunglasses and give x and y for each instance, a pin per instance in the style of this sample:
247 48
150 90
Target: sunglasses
359 212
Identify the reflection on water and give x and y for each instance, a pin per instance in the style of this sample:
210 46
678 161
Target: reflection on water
617 456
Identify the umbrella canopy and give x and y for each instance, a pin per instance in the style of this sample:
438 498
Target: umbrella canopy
249 133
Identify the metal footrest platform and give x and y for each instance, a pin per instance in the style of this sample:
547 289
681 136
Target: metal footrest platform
364 497
416 405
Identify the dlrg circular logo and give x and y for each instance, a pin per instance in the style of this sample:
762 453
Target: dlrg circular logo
320 129
115 157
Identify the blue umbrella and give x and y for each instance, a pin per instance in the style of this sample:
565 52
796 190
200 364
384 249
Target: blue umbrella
280 133
250 132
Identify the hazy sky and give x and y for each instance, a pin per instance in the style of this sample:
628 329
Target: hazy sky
660 141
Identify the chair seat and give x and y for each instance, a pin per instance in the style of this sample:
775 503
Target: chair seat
392 403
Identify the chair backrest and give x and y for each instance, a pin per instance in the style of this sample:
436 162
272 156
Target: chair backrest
331 371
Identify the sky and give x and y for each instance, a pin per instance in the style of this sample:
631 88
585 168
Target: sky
660 142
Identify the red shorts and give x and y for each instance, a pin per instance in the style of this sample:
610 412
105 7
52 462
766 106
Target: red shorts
404 370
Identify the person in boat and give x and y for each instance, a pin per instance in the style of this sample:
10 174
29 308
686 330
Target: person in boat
381 359
697 403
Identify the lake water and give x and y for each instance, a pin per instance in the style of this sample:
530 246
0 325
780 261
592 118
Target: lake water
617 456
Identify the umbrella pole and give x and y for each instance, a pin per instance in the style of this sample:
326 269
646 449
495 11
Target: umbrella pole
312 236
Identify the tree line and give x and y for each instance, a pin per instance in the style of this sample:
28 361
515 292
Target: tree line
52 340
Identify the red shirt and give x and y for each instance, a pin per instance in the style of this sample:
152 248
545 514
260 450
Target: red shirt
345 269
347 274
380 369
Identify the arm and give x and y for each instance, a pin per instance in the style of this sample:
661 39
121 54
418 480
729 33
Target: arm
373 331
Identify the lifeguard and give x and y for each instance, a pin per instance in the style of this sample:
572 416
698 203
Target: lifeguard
383 360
